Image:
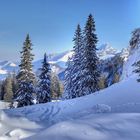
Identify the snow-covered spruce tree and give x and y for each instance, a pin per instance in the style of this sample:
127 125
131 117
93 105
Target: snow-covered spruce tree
44 86
73 72
77 65
25 77
135 43
137 70
68 93
90 71
2 90
135 40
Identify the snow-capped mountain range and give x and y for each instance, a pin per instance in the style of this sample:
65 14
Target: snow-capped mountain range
57 61
106 51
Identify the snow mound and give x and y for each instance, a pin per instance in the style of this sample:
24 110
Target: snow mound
101 108
19 133
16 127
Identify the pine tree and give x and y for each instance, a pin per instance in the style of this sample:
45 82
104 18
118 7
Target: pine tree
137 70
102 82
73 71
90 71
82 73
116 78
56 86
25 77
44 87
77 65
14 83
2 91
135 39
8 89
68 92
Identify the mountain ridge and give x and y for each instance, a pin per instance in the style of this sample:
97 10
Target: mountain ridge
57 61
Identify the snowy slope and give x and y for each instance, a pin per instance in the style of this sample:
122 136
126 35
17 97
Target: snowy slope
79 118
125 126
125 53
134 55
7 67
128 67
94 127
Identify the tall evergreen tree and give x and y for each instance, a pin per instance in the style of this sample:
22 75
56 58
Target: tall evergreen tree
77 65
25 77
91 74
135 39
44 92
68 90
73 71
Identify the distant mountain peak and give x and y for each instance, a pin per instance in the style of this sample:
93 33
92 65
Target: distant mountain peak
106 50
106 47
3 71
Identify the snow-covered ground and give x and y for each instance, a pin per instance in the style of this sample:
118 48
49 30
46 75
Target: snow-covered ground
120 126
4 105
94 127
113 113
128 67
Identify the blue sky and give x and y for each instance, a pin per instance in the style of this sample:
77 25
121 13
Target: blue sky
51 23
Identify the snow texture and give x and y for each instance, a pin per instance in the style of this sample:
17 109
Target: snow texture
112 114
